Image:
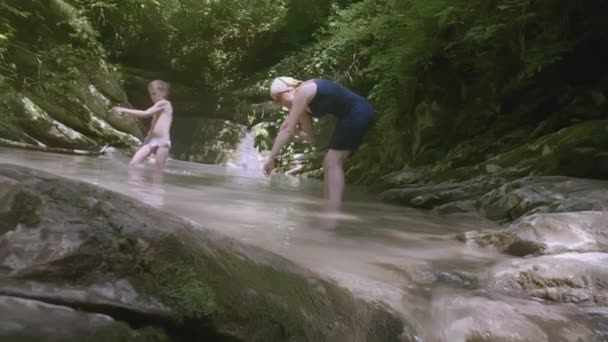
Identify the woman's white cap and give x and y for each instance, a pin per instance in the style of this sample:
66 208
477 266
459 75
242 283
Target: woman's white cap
283 84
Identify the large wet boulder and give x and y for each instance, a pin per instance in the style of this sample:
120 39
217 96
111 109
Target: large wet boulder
75 245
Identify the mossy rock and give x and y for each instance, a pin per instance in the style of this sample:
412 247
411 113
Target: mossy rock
37 123
106 252
68 109
577 151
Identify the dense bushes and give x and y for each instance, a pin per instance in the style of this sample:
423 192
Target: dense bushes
459 81
453 82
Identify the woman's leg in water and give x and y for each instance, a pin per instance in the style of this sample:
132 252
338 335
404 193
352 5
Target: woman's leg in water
334 176
348 135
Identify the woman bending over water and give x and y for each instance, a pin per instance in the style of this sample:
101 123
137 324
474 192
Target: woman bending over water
316 98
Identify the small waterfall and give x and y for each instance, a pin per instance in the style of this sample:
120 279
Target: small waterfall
247 157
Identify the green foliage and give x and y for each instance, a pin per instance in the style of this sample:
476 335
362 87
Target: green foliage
264 136
45 42
207 43
441 73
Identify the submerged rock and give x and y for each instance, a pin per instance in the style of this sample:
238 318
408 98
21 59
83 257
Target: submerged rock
105 253
548 233
568 277
506 242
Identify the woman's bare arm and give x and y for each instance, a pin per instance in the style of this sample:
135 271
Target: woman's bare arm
298 108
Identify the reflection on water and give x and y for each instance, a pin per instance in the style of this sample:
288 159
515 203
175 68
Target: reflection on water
149 186
382 252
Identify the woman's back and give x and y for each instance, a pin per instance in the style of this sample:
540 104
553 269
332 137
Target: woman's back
332 98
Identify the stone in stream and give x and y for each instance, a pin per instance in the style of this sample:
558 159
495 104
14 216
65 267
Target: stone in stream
567 277
548 233
75 245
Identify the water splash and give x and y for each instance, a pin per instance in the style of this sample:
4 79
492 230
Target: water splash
248 157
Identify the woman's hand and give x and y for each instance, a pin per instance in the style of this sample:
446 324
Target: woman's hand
269 167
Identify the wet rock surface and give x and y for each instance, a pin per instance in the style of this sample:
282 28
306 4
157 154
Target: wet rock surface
552 246
567 277
478 316
563 171
31 320
69 246
548 233
497 199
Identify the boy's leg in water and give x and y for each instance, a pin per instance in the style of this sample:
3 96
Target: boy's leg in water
161 157
140 155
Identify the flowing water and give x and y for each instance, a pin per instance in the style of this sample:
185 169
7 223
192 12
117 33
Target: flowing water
405 258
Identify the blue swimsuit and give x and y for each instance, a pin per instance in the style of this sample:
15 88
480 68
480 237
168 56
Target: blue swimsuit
355 114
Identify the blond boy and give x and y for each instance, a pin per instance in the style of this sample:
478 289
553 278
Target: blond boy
158 140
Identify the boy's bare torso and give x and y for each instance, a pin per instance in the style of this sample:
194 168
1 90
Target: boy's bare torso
161 122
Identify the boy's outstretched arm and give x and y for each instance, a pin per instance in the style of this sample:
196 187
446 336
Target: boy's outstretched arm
158 106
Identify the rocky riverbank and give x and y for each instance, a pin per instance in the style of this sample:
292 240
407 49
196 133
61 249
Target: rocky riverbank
555 221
